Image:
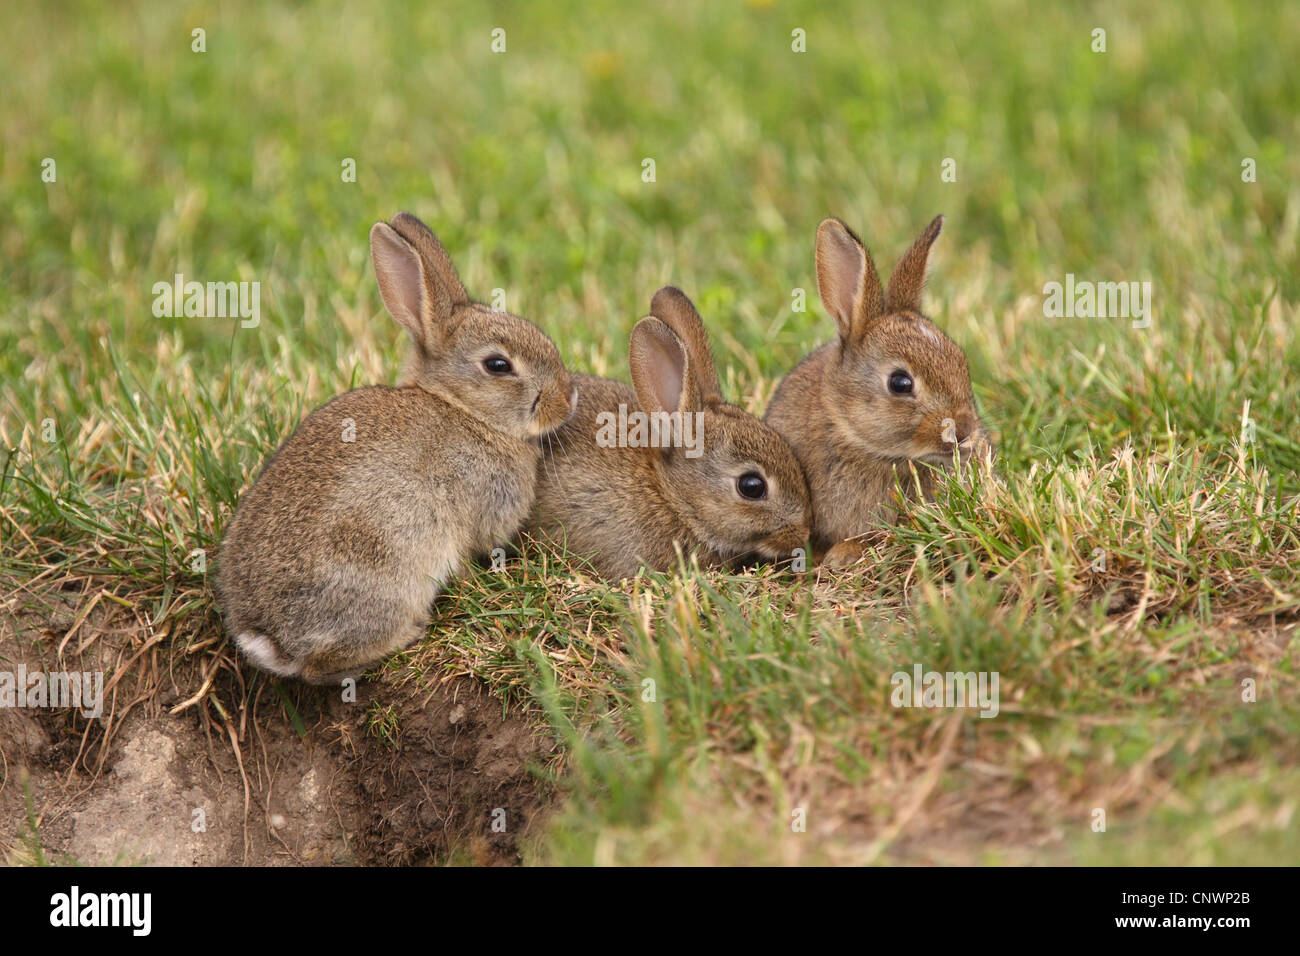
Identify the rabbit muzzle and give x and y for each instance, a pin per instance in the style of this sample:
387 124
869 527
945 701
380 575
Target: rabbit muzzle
553 406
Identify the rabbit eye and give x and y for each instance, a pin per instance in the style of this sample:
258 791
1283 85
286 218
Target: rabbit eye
496 365
752 486
900 383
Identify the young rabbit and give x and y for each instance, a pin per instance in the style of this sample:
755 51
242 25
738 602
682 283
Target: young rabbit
353 527
892 390
729 488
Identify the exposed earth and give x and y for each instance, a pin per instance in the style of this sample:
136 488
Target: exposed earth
403 774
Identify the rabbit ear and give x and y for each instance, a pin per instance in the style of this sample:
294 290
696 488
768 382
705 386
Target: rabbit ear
908 278
436 261
410 283
401 281
661 369
671 306
847 279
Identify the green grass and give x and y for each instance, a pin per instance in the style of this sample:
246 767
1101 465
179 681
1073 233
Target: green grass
1121 689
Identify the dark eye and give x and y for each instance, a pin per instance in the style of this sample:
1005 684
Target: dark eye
752 486
497 365
900 383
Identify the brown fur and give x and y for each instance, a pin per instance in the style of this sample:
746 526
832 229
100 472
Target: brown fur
855 439
339 548
623 508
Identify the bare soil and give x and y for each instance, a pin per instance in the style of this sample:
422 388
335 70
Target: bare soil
251 773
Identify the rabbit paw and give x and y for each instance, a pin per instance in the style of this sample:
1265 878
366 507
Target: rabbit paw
847 552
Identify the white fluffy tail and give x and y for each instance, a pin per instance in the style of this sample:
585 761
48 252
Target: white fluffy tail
262 653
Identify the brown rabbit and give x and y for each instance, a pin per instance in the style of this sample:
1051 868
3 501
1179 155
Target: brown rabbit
730 487
890 391
353 527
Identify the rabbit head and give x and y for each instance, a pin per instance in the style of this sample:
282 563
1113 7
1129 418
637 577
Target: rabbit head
741 491
500 368
898 388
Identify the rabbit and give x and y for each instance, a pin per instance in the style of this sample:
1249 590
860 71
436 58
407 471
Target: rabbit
356 523
892 390
730 488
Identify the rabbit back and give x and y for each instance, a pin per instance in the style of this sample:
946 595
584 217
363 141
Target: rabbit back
602 502
338 550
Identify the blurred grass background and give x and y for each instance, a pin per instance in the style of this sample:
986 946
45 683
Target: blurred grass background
1116 166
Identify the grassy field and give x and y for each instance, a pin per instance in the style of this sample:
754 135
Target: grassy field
1171 451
